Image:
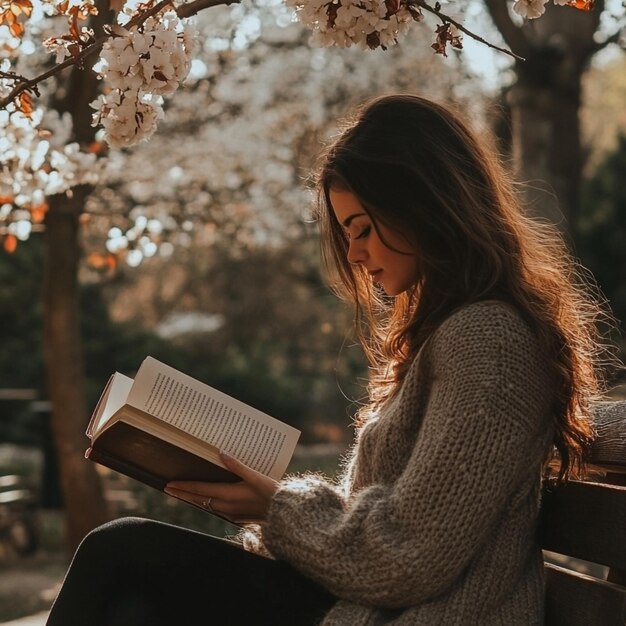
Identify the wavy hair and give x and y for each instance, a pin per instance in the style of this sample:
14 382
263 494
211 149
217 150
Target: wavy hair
416 167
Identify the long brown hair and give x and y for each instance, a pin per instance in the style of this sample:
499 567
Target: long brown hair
417 167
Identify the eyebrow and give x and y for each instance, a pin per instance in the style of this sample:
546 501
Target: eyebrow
349 219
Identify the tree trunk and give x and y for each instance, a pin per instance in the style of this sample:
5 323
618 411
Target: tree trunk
544 104
83 497
546 142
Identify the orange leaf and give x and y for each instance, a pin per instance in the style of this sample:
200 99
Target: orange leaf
26 6
17 29
25 103
102 262
74 30
17 7
10 243
96 260
582 5
8 17
95 147
38 212
6 199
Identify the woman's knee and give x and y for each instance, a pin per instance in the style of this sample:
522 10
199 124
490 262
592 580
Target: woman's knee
115 537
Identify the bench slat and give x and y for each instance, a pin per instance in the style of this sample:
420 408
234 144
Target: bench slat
578 600
9 480
16 495
585 520
609 447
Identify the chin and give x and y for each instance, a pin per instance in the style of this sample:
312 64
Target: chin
394 291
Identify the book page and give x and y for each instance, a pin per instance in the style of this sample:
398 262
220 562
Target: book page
255 438
113 398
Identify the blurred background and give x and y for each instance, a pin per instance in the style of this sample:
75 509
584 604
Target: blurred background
199 248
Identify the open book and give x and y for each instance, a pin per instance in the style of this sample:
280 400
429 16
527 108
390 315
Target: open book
165 425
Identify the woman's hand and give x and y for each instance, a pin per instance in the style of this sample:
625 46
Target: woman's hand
243 502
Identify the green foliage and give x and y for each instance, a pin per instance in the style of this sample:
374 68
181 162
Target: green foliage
279 347
20 316
601 231
21 332
108 346
111 346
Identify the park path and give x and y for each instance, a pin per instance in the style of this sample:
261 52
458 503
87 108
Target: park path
28 587
32 620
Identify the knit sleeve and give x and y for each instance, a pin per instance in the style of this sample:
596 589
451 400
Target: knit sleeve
482 438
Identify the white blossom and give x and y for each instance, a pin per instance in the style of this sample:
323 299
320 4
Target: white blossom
127 117
532 9
138 66
36 160
58 48
343 23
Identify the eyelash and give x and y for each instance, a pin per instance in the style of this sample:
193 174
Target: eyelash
364 233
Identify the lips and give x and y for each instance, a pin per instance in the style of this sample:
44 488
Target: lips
375 274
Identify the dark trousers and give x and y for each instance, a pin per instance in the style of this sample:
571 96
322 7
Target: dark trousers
138 572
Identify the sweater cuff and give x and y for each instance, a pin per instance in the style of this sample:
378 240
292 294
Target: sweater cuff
297 501
251 539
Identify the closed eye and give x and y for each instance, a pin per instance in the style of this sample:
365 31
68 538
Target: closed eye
365 232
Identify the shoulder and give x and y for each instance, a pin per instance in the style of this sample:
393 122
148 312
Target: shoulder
487 316
491 328
485 359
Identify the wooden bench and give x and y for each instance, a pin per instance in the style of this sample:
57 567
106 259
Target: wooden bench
12 490
19 532
586 520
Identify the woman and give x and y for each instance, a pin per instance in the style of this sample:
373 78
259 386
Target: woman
484 357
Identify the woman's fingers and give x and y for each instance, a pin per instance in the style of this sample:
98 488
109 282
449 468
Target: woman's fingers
193 497
197 488
235 500
250 498
237 467
264 485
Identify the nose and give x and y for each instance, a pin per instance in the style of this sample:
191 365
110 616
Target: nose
356 252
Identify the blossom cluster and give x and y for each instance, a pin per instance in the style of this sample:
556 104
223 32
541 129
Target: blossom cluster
139 66
382 23
36 159
365 23
532 9
142 240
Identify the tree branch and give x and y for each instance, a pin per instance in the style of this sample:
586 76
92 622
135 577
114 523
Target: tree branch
192 8
185 10
511 33
445 18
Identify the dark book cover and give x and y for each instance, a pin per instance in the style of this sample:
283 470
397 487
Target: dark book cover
151 460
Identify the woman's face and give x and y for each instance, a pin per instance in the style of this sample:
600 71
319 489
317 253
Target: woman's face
392 264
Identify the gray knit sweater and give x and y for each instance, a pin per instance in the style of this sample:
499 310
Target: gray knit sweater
434 522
